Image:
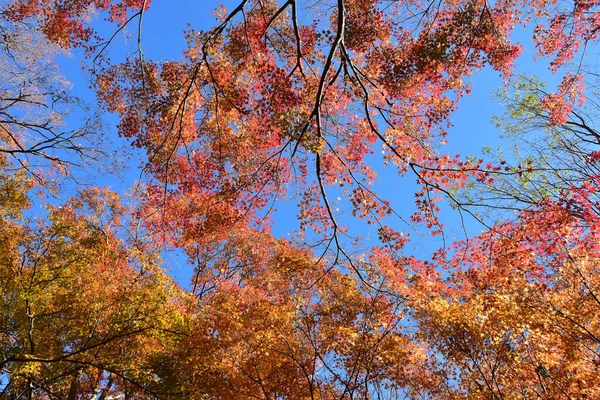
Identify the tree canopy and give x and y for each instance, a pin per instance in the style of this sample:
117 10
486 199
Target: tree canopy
301 106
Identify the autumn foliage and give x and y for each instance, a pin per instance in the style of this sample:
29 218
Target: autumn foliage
294 104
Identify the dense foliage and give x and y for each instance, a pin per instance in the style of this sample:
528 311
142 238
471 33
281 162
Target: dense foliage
307 104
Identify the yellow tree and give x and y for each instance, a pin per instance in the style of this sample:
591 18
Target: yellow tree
83 314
